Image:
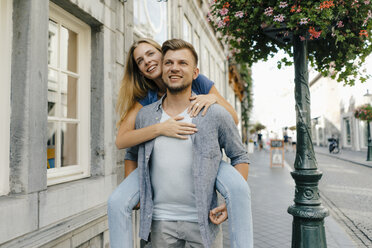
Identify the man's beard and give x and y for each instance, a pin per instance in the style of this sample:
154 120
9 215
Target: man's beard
177 89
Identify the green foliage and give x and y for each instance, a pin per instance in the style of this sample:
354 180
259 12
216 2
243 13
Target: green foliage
247 102
338 32
258 127
292 128
364 112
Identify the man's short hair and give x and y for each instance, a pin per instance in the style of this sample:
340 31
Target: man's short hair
177 44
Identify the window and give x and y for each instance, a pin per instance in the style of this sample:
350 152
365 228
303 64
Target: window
68 145
5 70
212 72
347 131
187 30
363 134
150 19
196 43
205 63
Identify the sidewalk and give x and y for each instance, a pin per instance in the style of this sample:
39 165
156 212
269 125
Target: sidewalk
272 193
356 157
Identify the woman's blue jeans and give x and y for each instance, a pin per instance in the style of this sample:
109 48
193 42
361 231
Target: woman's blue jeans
229 183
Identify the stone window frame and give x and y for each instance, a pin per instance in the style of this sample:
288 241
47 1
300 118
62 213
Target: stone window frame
82 169
344 130
6 7
196 43
186 23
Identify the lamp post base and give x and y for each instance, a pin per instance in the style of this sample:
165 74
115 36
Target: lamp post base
308 234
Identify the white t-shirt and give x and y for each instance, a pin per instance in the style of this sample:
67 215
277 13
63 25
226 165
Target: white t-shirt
171 177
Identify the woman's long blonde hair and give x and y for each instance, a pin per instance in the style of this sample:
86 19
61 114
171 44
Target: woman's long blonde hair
134 85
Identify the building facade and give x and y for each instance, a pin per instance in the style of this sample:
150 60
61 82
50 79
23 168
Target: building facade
61 67
332 113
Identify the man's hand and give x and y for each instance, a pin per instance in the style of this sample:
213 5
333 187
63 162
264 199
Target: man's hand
218 214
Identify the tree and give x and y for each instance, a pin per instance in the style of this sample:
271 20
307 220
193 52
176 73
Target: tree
340 28
247 103
258 127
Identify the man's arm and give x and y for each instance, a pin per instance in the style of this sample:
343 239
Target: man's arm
230 140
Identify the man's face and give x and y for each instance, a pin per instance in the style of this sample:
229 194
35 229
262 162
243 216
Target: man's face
179 69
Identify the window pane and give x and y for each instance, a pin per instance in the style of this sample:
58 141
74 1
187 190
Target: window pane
52 92
68 50
51 145
53 44
348 131
186 30
68 96
196 44
68 144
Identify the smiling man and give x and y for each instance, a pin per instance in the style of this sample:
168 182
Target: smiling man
177 177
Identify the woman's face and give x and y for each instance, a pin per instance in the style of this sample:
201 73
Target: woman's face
148 60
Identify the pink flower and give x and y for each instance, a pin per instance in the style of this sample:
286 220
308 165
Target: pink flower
302 38
224 11
340 24
368 17
239 14
279 18
304 21
264 25
239 40
269 11
221 24
367 2
209 17
283 4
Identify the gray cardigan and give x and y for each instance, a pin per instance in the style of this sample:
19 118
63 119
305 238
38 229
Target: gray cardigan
216 130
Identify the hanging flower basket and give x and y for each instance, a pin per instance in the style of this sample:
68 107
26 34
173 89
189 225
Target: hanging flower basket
364 112
339 32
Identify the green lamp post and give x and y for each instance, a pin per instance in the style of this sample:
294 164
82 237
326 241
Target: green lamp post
308 212
369 151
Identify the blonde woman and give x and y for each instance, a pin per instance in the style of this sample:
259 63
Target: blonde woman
142 85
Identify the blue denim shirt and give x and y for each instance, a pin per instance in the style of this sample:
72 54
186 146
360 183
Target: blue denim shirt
216 130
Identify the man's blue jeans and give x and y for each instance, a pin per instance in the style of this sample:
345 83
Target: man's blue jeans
229 183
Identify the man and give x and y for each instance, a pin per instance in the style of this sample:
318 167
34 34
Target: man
177 177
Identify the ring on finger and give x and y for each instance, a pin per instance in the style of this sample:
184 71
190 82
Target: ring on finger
197 104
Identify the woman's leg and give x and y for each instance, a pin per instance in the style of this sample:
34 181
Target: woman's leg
119 209
236 192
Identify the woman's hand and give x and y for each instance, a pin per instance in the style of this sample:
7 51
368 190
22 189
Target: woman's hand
137 206
218 214
173 127
200 101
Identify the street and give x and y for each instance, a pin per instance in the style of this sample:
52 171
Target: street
346 190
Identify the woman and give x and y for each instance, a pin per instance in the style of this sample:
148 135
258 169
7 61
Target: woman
142 85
